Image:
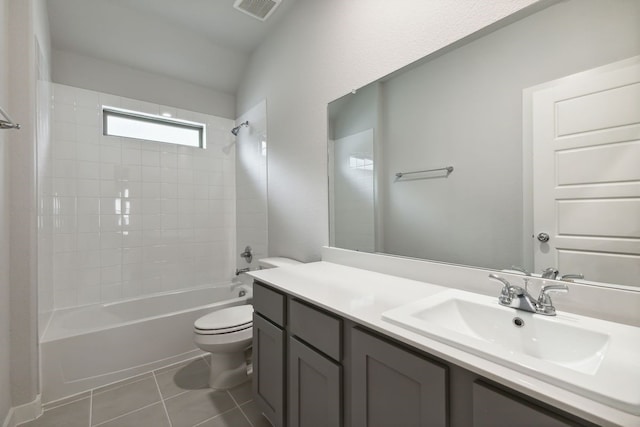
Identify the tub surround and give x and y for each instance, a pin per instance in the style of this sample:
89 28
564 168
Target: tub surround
362 296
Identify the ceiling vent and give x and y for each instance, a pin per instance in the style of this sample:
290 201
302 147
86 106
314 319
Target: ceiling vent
259 9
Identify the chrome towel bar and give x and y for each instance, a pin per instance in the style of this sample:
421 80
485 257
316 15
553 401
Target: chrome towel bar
6 122
449 169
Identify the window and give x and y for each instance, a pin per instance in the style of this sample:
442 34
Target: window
132 124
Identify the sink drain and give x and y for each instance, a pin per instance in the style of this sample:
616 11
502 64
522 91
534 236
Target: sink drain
518 322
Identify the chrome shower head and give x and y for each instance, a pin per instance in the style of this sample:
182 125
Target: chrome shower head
236 129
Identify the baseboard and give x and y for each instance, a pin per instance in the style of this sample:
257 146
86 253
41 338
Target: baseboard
23 413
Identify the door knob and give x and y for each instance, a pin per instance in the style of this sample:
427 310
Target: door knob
543 237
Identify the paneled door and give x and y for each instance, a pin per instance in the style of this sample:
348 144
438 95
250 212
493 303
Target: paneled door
586 173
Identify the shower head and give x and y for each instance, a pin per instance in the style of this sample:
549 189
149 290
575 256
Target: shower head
236 129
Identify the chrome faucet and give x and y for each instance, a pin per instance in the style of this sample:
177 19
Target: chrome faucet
520 299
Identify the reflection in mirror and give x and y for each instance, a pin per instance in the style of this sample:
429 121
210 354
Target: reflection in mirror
470 108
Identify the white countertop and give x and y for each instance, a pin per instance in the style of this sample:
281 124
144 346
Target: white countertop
362 296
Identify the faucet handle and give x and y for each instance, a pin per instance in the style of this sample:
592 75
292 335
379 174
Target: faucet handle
506 294
571 277
544 300
520 269
550 273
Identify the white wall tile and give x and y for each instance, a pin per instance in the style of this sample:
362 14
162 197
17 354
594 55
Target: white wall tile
132 217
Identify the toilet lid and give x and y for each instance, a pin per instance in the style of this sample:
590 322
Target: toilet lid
227 319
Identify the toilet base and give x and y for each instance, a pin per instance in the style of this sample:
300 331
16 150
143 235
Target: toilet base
227 370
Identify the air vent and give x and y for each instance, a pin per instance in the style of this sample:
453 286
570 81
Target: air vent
259 9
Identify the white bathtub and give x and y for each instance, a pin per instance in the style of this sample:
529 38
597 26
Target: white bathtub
90 346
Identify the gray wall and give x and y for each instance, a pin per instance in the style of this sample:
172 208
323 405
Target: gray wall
322 51
464 108
72 69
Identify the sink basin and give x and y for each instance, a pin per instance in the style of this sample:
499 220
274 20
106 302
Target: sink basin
592 357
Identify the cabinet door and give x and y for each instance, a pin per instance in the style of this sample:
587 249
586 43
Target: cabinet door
269 369
315 388
495 408
394 387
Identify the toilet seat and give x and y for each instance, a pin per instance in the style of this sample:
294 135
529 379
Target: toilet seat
225 321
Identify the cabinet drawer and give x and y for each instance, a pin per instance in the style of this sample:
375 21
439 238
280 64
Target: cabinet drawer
317 328
496 408
269 303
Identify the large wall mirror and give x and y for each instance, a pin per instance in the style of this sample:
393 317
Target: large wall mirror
440 160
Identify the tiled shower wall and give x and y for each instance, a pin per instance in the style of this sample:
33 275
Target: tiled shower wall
134 217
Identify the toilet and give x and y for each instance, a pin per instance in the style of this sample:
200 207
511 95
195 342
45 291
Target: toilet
227 335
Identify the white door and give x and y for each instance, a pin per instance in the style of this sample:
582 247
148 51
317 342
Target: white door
586 174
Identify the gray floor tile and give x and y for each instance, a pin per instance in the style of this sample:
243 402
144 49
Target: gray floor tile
193 407
233 418
242 393
255 416
191 376
75 414
116 401
151 416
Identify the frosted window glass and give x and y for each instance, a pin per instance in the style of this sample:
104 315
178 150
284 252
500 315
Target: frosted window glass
152 128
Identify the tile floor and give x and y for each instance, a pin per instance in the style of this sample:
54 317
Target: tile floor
175 396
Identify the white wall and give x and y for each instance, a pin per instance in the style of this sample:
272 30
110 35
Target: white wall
319 53
73 69
5 331
134 217
28 23
251 185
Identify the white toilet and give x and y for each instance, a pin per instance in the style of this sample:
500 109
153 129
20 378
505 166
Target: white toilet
227 335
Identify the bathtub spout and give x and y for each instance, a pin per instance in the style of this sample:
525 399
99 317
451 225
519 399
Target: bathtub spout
239 271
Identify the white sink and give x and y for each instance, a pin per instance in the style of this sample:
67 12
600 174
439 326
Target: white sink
596 358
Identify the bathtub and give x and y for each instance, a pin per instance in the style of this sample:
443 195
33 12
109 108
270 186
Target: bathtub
90 346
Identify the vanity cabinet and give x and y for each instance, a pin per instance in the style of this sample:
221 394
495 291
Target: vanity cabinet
495 408
315 388
395 387
313 368
299 347
269 354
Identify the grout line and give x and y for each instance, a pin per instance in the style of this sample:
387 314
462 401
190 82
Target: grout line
162 399
128 413
212 418
206 361
245 415
238 406
121 383
91 408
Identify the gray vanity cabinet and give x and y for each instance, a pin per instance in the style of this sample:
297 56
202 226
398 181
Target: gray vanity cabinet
269 369
269 354
313 368
394 387
315 388
495 408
